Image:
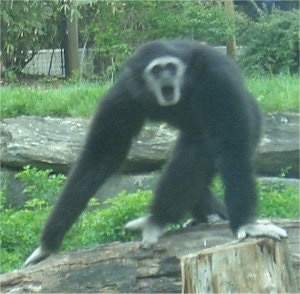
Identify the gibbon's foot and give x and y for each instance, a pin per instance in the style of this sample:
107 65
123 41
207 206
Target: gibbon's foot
211 219
151 231
190 223
37 256
261 230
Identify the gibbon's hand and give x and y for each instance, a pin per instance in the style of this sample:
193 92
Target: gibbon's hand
151 231
37 256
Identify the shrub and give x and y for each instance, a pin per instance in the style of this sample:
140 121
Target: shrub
20 229
277 199
271 44
40 185
96 226
18 233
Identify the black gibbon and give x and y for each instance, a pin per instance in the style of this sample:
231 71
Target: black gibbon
201 92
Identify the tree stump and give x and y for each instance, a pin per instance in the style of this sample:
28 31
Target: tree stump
252 266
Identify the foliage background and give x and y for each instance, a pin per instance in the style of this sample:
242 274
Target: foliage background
113 29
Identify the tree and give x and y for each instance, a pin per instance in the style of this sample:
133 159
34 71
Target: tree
230 43
72 64
25 27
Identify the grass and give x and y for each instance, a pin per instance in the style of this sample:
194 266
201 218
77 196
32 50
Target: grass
274 93
65 100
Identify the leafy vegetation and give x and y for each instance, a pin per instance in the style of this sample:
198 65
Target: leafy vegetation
100 222
278 200
111 28
94 226
26 27
273 47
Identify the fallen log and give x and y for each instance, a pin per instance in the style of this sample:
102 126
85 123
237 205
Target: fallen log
125 268
54 143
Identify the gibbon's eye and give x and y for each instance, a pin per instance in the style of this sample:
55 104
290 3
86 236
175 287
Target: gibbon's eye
156 70
171 67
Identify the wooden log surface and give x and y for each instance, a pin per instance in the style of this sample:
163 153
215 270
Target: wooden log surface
255 266
125 268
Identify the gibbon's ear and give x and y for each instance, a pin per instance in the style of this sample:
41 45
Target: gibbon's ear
261 230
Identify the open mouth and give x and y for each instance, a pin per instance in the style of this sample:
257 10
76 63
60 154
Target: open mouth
168 92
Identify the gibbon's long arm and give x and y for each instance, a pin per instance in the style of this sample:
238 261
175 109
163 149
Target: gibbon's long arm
118 119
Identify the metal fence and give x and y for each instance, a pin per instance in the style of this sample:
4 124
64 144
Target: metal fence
51 62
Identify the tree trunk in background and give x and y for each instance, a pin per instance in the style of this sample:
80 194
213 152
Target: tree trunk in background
72 41
231 43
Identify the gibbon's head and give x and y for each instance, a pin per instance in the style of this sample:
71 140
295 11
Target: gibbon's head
164 78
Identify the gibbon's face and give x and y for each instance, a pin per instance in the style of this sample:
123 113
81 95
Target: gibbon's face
164 78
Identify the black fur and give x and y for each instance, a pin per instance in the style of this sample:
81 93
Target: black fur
219 125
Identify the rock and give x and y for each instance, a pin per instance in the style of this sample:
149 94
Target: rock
13 189
279 182
279 149
54 143
41 142
151 149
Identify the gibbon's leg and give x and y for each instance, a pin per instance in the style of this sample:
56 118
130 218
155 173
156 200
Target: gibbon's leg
182 184
231 123
216 211
214 208
236 171
235 167
217 206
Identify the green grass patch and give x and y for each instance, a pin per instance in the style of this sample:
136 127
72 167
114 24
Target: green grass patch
65 100
274 93
278 93
20 228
